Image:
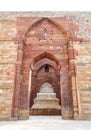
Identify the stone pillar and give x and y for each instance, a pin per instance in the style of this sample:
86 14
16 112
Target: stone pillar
72 53
16 93
66 94
24 95
24 100
74 89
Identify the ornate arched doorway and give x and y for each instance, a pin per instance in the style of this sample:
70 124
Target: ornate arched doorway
45 69
45 46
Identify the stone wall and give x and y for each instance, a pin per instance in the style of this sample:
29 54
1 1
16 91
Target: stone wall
9 51
8 56
84 79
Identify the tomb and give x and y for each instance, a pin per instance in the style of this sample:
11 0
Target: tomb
46 102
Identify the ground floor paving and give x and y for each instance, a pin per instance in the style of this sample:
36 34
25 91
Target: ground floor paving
45 123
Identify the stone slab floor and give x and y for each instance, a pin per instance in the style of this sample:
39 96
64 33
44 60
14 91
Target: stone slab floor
45 123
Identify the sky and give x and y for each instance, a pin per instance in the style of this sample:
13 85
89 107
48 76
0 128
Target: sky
45 5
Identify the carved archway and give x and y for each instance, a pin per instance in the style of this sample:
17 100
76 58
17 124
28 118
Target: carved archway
20 108
40 76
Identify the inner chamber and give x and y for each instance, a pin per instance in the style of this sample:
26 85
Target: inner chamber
45 96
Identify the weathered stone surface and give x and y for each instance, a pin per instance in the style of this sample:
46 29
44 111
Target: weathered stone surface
46 100
46 104
21 44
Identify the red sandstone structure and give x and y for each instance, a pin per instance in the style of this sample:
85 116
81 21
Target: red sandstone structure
45 48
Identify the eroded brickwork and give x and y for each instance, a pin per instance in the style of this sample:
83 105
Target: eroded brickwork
26 39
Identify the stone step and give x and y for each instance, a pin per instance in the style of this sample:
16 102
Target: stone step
46 95
46 101
43 103
45 111
43 98
46 106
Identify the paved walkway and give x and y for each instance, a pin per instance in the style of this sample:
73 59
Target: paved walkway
45 123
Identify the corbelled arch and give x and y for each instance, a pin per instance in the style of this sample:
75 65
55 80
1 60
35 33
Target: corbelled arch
45 55
31 31
44 61
61 28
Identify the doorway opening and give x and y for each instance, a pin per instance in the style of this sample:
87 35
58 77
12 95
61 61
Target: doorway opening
45 96
49 56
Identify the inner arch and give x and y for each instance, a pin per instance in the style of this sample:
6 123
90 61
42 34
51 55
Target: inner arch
45 55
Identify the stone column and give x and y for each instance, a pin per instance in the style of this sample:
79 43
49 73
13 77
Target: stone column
66 94
24 100
15 107
74 89
73 73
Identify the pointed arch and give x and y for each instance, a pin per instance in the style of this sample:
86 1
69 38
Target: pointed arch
45 55
50 21
41 63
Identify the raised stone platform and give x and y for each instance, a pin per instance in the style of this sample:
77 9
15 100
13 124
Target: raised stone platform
46 104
